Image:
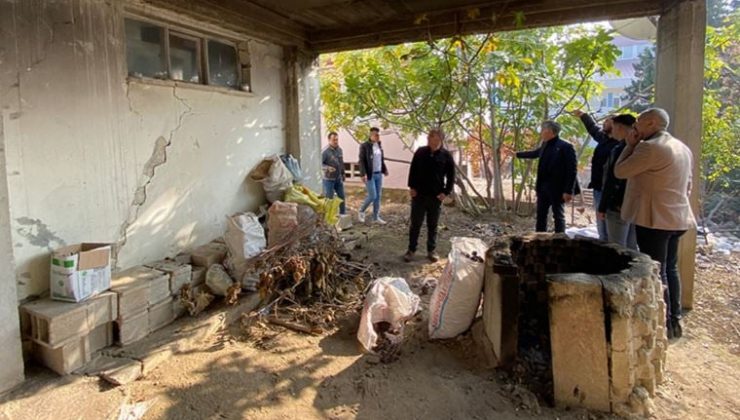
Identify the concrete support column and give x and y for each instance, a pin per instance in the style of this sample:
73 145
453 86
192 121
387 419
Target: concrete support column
679 85
11 357
303 114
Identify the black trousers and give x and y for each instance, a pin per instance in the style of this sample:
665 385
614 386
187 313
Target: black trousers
421 207
662 246
544 203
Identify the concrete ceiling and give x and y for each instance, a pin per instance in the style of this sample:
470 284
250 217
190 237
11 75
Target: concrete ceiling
333 25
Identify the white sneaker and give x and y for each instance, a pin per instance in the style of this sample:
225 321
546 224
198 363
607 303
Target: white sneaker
380 221
361 216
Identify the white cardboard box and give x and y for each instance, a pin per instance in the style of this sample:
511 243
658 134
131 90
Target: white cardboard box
80 271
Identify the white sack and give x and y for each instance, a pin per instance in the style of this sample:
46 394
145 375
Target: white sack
389 300
274 177
457 296
245 238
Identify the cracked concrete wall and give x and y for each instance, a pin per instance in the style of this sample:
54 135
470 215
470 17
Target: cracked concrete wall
151 167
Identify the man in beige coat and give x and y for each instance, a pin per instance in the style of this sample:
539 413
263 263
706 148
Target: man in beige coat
658 167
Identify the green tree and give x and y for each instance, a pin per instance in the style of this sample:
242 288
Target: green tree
721 113
640 94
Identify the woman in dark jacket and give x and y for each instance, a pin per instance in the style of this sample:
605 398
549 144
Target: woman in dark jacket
618 230
372 169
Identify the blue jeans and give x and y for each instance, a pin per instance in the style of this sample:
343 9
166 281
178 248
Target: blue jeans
335 185
619 231
374 186
600 224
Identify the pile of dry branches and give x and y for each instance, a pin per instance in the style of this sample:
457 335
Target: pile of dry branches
308 280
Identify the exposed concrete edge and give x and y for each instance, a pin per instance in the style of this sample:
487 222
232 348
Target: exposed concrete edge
184 335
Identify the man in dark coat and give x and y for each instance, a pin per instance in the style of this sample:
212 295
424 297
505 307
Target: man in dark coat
605 144
431 179
556 175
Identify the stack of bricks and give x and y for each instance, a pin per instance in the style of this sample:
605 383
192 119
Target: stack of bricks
140 290
601 306
63 336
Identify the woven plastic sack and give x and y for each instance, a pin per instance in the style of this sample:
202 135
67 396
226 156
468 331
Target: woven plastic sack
389 300
457 296
274 177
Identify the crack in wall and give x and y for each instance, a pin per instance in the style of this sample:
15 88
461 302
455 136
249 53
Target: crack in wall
157 159
37 233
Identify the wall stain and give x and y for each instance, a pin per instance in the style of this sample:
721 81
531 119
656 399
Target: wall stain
38 234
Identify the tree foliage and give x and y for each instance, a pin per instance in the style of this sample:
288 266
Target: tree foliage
488 92
641 91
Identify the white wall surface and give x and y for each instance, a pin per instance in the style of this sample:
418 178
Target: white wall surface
92 157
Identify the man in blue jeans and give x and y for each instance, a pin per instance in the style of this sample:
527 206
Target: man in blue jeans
332 165
372 169
605 144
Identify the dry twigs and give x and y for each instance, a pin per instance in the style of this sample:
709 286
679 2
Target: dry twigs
313 277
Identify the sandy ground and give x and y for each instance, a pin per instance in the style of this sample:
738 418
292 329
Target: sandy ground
291 375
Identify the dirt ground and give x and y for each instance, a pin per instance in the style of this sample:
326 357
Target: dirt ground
290 375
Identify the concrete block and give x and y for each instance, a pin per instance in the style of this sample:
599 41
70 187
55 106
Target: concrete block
101 337
64 358
161 314
178 309
209 254
183 258
132 287
133 328
102 309
126 372
53 322
577 338
159 289
500 312
198 276
179 274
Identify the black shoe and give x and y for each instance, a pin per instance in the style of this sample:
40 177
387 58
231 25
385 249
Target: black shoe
669 331
433 257
408 256
676 327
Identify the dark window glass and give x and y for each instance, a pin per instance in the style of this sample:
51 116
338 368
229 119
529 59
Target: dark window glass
222 67
184 59
145 50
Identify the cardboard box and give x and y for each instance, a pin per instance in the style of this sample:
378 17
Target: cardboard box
80 271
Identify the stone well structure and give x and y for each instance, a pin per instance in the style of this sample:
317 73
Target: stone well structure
585 317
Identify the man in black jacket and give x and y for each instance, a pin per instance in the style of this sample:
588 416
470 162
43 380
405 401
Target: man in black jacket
372 170
556 175
605 144
431 179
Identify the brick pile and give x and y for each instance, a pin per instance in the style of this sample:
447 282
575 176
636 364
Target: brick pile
595 311
64 336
